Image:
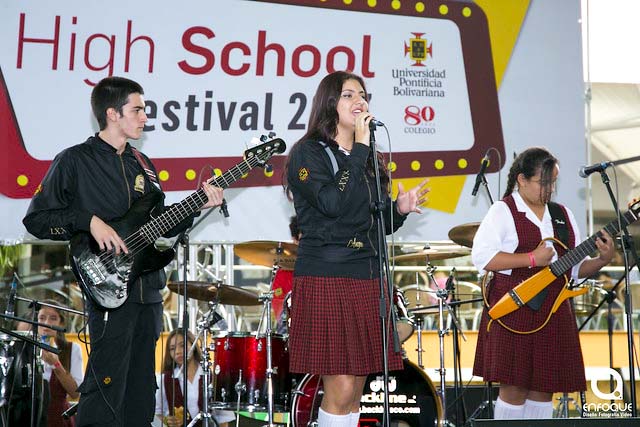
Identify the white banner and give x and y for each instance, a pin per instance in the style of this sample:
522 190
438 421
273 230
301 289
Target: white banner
217 74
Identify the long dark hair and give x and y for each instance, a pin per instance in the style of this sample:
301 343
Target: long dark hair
323 121
529 163
168 363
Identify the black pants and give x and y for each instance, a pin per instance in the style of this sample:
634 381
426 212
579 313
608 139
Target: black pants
119 383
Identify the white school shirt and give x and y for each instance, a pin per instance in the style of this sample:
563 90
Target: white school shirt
76 364
497 233
193 394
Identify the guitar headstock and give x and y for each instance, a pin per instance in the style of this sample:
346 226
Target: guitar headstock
266 150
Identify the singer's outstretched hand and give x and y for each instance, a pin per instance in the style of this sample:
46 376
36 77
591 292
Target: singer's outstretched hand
411 200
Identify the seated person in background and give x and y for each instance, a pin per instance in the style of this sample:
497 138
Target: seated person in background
170 396
62 372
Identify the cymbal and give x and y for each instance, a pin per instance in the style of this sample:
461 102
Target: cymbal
433 254
268 253
463 234
207 291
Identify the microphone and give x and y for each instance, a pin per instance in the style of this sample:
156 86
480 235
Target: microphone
11 302
585 171
373 123
479 177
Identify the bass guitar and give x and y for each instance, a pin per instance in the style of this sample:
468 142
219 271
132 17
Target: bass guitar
528 289
105 277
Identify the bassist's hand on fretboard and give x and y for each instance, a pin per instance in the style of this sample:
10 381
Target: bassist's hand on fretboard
106 236
213 193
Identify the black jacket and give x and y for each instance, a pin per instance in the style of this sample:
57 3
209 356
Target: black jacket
339 231
92 179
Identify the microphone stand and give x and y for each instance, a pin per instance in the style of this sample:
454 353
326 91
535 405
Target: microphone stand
383 268
609 298
628 249
485 185
35 343
183 241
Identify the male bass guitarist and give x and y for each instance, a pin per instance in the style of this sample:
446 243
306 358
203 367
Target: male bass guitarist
87 186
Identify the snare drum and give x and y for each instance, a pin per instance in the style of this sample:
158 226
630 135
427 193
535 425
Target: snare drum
412 400
239 373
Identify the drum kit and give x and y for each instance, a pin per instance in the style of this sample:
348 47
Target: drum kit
248 372
22 392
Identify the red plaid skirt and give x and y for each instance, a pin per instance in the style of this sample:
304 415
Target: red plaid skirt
549 360
335 327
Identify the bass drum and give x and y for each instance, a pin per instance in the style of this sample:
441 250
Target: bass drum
413 401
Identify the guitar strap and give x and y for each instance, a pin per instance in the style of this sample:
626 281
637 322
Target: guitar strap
332 157
561 232
145 167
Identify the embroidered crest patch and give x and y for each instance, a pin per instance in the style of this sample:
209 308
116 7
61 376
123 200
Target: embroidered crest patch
139 184
303 174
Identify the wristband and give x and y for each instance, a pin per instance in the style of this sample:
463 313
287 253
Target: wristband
57 365
532 260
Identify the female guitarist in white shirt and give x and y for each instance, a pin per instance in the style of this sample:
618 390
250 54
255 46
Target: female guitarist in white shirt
530 366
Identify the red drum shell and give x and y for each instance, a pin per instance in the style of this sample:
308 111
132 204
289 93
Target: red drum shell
240 356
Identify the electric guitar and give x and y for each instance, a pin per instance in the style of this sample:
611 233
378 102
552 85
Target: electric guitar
104 276
528 289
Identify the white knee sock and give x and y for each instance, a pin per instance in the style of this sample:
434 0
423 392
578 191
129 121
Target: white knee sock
507 411
355 419
533 409
326 419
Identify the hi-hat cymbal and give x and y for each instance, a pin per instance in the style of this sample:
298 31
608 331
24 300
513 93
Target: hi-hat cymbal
224 294
268 253
463 234
433 254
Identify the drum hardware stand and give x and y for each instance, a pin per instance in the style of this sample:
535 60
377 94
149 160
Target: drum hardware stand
443 294
240 388
204 327
430 269
35 343
266 312
562 411
484 405
460 409
419 339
